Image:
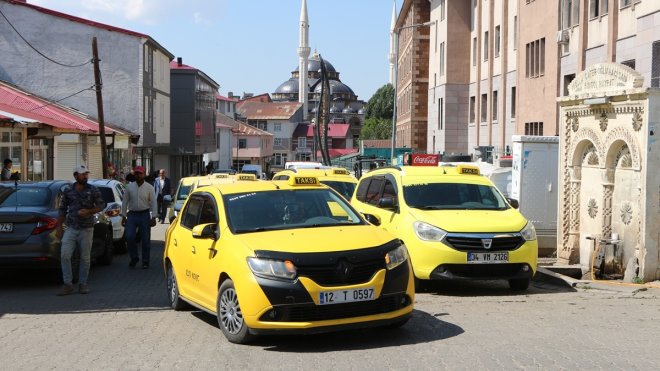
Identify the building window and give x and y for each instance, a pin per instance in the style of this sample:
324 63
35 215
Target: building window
494 108
484 107
474 51
625 3
630 63
279 159
513 102
534 128
472 109
442 59
473 14
655 65
535 58
485 46
570 13
597 8
302 142
442 10
259 124
277 142
568 79
441 112
515 32
497 41
242 143
277 127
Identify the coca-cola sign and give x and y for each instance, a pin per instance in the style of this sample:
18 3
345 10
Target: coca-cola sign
424 160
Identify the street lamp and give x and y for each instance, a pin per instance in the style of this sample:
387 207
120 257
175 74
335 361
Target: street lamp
396 76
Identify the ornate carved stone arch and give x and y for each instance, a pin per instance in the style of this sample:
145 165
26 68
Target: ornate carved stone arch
579 143
627 138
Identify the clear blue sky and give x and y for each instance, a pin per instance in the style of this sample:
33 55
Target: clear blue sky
250 45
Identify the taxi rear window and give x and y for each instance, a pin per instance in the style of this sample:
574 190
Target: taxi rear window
343 188
439 196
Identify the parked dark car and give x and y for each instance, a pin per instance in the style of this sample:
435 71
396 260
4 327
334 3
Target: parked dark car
28 217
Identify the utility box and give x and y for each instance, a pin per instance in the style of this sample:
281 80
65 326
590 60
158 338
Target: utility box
534 177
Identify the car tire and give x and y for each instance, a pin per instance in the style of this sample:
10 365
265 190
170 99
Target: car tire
108 250
173 290
230 317
519 284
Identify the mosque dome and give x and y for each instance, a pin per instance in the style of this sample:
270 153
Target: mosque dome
314 64
288 87
336 87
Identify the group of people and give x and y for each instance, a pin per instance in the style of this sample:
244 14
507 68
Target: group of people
142 206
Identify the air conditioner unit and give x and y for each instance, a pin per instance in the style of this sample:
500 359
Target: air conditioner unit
563 36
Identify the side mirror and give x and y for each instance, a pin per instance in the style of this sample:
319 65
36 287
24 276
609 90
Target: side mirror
373 219
387 203
205 231
514 203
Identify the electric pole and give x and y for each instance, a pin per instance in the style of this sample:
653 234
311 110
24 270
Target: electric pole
99 105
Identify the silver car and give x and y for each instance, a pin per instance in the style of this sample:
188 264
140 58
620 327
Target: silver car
113 195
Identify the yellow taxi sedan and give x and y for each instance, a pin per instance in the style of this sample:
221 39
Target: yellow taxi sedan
454 221
336 178
276 257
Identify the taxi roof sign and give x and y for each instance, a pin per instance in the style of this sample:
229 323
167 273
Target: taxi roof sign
249 177
468 169
220 176
303 180
340 172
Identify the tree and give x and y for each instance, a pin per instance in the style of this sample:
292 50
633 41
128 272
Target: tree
376 128
381 104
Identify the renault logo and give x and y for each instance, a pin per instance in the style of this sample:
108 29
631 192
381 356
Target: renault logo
487 242
344 270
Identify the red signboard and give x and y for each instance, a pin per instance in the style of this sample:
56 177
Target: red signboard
423 160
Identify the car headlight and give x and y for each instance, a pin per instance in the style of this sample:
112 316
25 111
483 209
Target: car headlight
396 257
427 232
272 268
529 232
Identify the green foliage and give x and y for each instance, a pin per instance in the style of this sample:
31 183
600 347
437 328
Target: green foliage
376 128
381 104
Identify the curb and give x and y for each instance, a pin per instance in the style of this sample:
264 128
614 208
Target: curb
570 282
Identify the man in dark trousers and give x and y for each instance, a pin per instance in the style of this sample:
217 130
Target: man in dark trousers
138 211
163 188
80 201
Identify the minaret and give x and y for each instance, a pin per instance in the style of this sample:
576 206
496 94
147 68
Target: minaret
392 43
303 55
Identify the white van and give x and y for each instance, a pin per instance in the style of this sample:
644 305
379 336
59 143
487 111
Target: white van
302 165
254 169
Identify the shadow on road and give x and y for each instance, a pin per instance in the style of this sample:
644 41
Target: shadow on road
421 328
540 285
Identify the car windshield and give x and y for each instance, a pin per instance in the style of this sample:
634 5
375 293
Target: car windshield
343 188
290 209
107 194
440 196
184 191
27 196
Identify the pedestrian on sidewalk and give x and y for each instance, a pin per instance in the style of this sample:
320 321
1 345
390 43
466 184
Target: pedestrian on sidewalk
80 201
139 210
163 188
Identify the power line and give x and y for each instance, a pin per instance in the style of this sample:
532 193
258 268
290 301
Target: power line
93 87
36 50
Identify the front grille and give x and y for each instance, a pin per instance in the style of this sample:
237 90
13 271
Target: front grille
312 312
341 273
465 243
486 271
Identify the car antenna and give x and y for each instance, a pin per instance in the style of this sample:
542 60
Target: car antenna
276 186
16 191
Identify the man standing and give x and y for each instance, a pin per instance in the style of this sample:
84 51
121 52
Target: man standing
138 211
80 201
163 189
6 170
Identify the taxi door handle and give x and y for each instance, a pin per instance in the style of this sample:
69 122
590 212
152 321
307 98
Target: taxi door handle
174 242
194 251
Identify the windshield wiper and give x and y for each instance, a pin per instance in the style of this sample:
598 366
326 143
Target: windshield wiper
429 207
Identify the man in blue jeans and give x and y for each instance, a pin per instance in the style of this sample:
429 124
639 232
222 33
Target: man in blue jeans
80 201
139 210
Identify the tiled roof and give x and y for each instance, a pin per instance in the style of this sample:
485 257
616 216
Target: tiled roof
226 99
245 129
268 110
18 102
174 65
334 130
87 22
226 121
377 143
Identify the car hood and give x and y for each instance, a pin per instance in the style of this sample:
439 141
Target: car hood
321 239
472 221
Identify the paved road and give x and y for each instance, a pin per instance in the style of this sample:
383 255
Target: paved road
125 323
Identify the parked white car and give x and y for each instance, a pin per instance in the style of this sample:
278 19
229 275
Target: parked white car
113 194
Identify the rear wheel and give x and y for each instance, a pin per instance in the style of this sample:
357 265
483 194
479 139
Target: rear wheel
173 290
519 284
108 250
230 317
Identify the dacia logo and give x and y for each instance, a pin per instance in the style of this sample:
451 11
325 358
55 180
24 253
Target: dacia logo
487 242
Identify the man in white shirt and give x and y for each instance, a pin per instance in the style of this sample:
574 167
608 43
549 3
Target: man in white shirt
139 210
